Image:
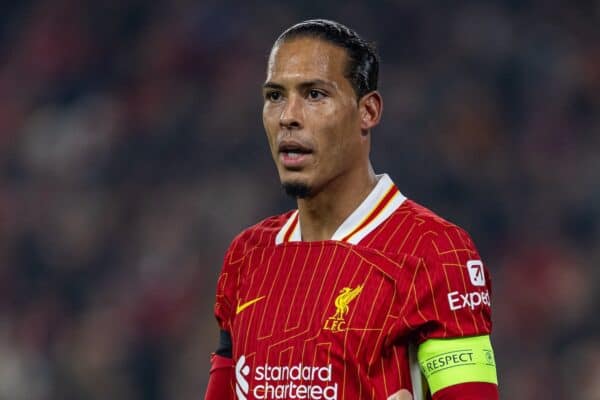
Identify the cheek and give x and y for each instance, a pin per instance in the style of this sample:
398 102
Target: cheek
333 148
266 117
270 124
340 136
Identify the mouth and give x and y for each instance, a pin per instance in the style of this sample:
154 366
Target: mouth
293 155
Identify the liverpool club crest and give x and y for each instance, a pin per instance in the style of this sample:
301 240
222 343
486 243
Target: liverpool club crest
337 323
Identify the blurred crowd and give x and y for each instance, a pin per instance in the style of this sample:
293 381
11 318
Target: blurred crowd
132 151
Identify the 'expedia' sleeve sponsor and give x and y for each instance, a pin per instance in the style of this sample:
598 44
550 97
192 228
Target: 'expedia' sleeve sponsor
450 295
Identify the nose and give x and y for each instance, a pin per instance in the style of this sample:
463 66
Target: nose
292 114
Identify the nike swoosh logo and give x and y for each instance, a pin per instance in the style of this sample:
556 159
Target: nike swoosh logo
242 307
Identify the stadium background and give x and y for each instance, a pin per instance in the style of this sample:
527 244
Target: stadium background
132 151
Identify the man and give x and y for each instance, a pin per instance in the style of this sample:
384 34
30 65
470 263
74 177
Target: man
360 293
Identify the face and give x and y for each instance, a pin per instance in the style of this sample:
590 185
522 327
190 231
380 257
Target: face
311 114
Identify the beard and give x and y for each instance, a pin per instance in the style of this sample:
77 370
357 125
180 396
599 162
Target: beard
296 190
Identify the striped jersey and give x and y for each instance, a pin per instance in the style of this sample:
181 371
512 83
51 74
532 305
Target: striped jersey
336 319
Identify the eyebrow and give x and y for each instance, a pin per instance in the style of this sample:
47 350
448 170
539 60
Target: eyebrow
302 85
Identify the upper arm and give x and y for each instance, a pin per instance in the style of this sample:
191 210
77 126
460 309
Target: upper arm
452 289
449 362
451 316
227 286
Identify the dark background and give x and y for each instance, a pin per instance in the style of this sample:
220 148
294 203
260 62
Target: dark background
132 151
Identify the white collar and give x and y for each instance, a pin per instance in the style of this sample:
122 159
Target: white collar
384 199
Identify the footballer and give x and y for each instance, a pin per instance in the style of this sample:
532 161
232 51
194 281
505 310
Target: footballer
360 292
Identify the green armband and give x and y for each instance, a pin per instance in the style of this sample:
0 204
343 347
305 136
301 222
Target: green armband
447 362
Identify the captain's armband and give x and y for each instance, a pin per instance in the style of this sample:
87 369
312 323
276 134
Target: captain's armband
447 362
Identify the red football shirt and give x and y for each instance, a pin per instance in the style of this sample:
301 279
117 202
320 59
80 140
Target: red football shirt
335 319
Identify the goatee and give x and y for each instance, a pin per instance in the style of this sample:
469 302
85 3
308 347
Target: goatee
296 190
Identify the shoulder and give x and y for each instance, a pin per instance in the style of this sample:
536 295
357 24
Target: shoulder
258 235
418 231
448 256
451 284
439 231
261 234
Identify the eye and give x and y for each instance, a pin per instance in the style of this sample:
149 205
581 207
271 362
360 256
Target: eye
273 95
315 94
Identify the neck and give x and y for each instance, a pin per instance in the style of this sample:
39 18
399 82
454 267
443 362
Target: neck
322 214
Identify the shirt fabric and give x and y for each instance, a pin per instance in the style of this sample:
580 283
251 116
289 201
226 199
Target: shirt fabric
335 319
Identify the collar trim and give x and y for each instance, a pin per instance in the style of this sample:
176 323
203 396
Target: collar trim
384 199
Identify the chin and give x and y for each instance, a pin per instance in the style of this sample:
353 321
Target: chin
296 189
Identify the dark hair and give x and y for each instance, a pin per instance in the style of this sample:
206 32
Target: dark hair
363 60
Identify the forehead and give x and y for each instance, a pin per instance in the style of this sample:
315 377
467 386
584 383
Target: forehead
307 58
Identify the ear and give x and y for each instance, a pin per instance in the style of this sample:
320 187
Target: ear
370 108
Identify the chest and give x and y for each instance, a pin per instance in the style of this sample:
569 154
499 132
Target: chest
306 301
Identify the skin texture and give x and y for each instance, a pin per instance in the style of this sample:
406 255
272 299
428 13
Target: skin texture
310 105
401 395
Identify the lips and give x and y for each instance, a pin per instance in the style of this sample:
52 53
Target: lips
294 154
